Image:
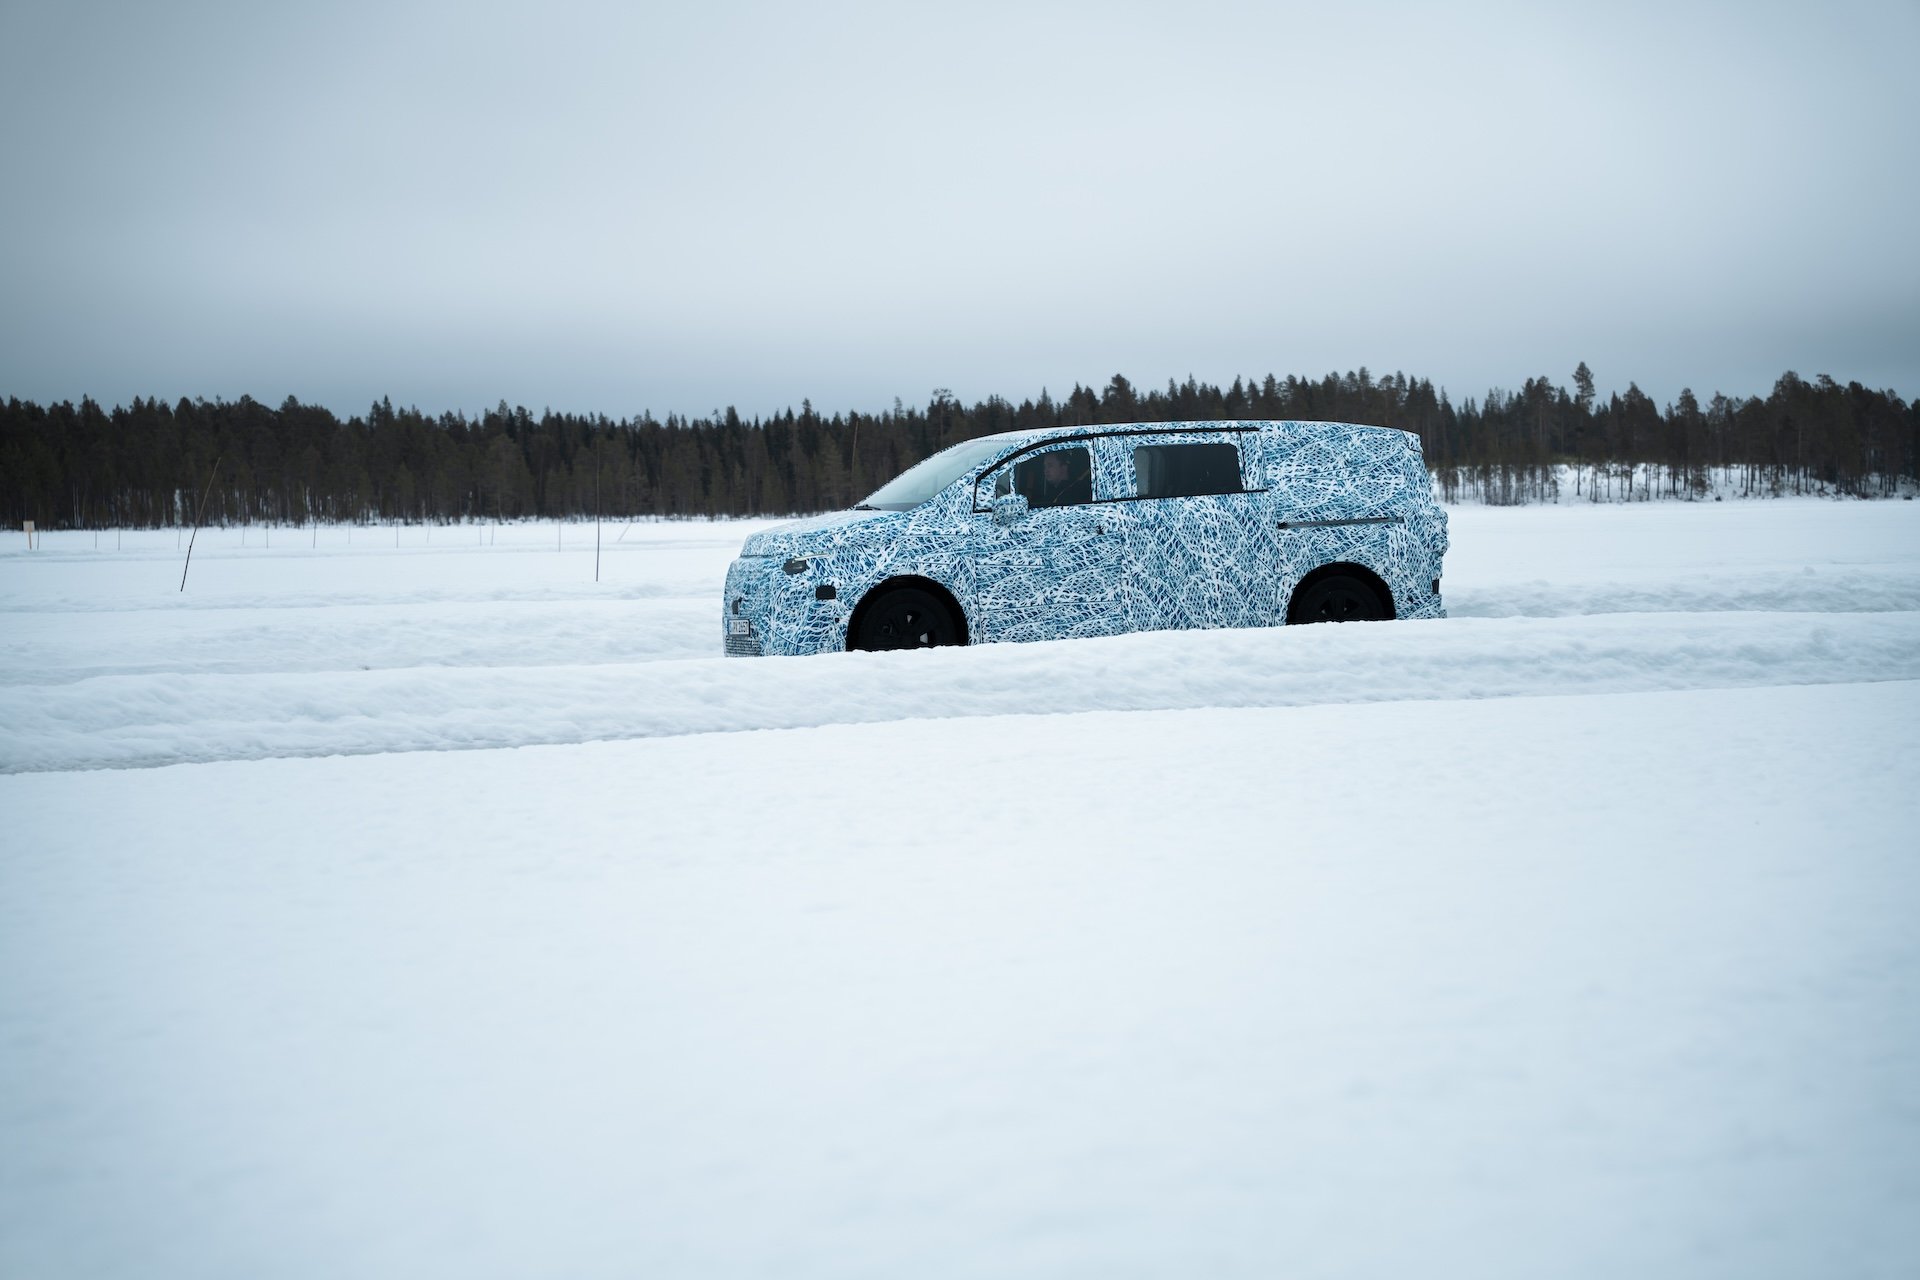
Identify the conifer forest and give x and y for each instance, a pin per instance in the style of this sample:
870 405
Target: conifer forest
153 464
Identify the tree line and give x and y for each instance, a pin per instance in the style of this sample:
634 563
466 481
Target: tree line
154 464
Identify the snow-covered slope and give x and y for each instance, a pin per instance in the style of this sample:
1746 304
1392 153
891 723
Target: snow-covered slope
1370 953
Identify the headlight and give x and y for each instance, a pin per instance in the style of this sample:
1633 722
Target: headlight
795 566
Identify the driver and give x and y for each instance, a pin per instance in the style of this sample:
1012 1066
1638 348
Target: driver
1064 480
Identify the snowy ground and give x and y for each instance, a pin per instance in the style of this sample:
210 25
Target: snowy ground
1571 936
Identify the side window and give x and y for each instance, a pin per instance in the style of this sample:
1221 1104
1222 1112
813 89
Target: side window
1056 478
1185 470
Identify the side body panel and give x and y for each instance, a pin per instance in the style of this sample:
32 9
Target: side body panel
1325 479
1202 561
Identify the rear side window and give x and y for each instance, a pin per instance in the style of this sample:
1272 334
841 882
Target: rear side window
1185 470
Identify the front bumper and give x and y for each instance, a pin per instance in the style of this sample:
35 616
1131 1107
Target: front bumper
767 611
744 645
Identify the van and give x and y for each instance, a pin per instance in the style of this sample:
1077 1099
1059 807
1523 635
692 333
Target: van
1069 532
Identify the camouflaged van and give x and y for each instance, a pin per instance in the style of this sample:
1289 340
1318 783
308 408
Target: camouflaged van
1093 531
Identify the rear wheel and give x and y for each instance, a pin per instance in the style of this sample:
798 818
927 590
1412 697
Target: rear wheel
906 618
1338 597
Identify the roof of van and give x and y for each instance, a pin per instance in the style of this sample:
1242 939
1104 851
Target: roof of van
1227 424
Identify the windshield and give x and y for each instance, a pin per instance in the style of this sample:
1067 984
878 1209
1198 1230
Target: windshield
924 479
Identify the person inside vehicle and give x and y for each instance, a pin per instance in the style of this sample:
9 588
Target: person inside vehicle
1060 478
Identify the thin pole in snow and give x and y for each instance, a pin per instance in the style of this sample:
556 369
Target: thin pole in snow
596 517
196 523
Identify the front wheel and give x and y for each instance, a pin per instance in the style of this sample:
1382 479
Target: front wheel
1338 598
905 618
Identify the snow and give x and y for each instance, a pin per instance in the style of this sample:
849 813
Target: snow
168 717
368 648
1571 936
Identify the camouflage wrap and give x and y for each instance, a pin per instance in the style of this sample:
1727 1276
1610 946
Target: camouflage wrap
1316 493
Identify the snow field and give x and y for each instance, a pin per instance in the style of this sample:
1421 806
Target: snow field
365 648
1573 986
1360 951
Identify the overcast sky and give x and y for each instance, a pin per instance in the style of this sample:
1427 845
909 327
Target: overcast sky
612 206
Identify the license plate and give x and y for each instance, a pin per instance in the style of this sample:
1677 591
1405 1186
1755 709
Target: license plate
739 627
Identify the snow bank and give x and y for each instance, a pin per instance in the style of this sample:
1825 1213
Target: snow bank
154 719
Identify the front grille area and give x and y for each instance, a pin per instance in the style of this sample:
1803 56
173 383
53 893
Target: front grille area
743 646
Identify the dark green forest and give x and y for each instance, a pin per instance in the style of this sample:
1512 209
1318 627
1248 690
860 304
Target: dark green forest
150 463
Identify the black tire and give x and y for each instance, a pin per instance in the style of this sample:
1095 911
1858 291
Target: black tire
1339 597
906 618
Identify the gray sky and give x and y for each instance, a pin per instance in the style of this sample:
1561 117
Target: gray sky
612 206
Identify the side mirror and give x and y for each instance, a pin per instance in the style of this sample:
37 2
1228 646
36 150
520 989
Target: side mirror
1009 509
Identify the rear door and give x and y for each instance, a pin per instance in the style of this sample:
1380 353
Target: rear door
1199 551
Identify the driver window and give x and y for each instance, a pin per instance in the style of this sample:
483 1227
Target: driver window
1056 478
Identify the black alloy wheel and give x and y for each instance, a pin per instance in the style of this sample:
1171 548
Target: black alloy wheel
1338 598
906 618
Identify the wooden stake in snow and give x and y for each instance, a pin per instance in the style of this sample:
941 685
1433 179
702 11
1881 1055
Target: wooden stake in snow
26 527
596 518
196 523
